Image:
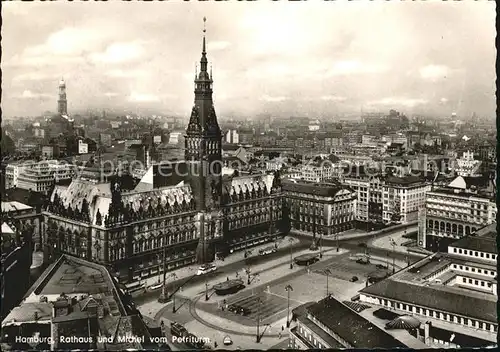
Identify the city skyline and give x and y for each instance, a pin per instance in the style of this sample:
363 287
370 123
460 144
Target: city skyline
262 62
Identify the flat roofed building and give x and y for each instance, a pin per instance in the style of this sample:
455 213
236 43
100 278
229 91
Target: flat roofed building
403 197
324 208
40 176
331 324
455 292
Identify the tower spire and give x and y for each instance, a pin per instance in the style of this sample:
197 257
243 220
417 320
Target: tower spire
204 31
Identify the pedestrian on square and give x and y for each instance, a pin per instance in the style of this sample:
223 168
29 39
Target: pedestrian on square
215 344
279 335
227 278
282 328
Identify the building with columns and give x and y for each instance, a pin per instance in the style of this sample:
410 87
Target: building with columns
455 211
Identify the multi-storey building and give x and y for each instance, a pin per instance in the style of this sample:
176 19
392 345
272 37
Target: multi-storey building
12 172
456 211
323 209
40 176
138 232
368 189
453 293
467 165
318 172
403 197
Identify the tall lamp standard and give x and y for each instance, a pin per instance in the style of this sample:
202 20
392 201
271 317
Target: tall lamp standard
321 245
206 289
291 254
173 276
393 244
337 238
288 289
327 273
258 319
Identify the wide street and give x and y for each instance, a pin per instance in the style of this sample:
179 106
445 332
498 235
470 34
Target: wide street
266 298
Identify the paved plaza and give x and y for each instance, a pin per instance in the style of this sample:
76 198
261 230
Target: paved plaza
346 268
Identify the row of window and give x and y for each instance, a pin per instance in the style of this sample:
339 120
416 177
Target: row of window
309 336
449 227
475 253
141 245
479 271
479 283
439 315
252 220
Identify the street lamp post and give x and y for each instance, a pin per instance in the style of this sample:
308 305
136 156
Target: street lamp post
258 320
291 254
247 270
173 302
206 289
328 273
321 245
393 244
337 237
288 289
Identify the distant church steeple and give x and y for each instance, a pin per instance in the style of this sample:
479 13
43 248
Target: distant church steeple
62 103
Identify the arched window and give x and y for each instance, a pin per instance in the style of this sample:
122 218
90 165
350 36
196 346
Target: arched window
467 230
454 228
460 229
431 224
448 227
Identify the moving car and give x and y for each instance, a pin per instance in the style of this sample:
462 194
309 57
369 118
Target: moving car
206 268
268 250
227 340
354 279
363 261
362 244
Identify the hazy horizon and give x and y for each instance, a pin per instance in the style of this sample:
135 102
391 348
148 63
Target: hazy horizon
299 59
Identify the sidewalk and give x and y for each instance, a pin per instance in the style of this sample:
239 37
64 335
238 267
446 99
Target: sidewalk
349 234
191 270
384 242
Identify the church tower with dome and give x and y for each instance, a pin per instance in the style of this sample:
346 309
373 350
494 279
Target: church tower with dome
203 156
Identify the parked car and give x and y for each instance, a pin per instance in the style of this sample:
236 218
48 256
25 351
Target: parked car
236 309
268 250
206 268
362 244
227 340
354 279
381 266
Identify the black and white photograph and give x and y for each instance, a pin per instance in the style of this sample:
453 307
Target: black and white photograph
248 175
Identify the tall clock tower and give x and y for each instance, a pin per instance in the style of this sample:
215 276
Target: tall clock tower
203 155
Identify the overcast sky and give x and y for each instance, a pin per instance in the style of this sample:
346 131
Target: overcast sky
307 58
